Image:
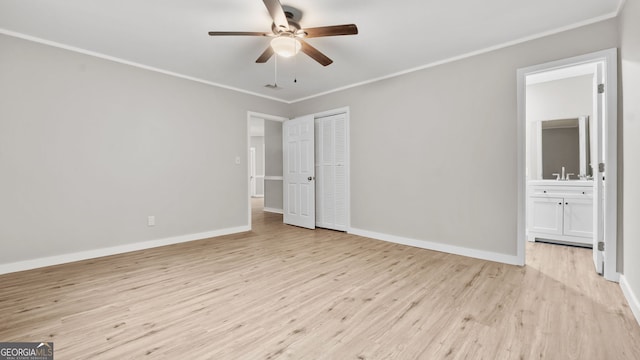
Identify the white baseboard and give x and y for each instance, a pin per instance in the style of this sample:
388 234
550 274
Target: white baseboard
429 245
272 210
631 297
90 254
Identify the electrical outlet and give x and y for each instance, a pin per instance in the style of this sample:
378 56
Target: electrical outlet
151 220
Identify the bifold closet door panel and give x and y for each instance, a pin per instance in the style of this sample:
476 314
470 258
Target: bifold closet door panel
331 184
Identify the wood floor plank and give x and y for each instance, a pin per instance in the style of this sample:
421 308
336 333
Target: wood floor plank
281 292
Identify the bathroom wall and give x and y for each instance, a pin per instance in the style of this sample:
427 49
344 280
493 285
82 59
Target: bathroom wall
560 99
553 100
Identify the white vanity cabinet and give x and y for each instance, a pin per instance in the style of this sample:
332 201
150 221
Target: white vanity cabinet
561 211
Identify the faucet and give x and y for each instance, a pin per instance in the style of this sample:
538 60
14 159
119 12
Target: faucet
563 176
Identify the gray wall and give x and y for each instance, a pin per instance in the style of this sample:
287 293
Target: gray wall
433 152
630 54
273 164
89 148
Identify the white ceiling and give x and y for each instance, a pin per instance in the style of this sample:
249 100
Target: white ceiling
395 36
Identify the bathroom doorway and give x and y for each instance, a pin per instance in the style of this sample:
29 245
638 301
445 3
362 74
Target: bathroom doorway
569 105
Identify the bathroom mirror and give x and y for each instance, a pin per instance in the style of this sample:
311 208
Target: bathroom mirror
563 143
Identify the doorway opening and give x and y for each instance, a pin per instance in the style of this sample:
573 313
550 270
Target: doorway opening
264 163
567 156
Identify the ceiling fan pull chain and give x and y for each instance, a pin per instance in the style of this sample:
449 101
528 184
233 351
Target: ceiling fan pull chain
275 72
295 70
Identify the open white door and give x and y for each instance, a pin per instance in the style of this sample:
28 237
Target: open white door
298 149
597 158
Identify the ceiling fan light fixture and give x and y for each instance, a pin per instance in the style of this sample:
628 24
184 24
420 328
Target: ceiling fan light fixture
285 46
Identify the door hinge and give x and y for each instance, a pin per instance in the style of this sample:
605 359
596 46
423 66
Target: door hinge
600 246
600 88
601 167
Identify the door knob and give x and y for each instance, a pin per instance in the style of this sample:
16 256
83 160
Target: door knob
310 178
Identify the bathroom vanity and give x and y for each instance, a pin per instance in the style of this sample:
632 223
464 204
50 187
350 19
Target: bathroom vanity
561 211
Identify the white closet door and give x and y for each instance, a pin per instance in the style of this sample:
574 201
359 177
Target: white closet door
331 166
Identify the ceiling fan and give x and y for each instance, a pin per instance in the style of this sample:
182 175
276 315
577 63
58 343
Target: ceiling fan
288 36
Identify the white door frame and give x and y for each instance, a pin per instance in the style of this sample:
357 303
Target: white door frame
253 114
609 57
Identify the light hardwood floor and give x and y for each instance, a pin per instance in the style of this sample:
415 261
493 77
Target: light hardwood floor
280 292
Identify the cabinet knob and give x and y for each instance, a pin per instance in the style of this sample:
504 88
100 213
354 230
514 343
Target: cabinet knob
559 203
566 203
545 191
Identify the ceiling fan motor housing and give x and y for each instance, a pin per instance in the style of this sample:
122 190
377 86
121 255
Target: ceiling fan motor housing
293 16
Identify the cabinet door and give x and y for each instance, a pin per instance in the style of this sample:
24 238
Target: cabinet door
578 217
546 215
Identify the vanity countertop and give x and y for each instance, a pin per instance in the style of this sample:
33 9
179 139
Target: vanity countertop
561 182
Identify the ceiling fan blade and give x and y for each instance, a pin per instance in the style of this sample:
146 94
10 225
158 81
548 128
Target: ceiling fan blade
265 56
315 54
335 30
277 14
238 33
